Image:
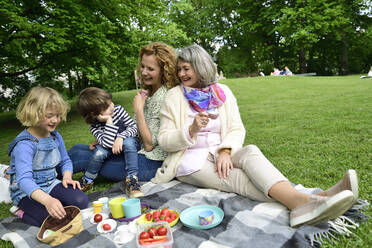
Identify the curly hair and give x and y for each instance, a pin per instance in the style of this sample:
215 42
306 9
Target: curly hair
166 57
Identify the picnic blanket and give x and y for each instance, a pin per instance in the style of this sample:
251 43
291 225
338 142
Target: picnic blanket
246 222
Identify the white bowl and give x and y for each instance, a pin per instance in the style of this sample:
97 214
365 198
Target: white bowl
111 222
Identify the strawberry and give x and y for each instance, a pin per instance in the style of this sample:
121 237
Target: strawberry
148 216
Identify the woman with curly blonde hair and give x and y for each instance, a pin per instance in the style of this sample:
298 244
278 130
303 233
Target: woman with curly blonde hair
157 71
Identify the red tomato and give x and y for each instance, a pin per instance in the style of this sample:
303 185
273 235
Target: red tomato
148 216
106 227
156 214
144 235
164 211
152 232
97 218
161 231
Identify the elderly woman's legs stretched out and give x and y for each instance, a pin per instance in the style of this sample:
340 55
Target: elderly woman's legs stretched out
255 177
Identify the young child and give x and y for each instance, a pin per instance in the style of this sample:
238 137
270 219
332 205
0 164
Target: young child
36 154
114 131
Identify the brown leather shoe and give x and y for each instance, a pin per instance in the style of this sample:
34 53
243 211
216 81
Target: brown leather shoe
132 187
86 186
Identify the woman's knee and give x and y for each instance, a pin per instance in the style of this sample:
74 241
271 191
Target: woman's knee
252 149
248 150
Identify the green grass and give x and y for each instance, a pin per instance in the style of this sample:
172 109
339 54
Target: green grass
312 128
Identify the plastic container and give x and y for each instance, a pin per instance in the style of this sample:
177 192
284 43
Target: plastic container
145 227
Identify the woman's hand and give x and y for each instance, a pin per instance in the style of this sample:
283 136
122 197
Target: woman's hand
117 146
224 164
139 101
200 121
55 208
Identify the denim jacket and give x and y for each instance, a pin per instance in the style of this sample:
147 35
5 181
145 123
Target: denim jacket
33 164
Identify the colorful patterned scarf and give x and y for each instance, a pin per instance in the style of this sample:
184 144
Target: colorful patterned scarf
206 99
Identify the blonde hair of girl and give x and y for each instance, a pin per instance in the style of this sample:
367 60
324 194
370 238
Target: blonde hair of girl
32 108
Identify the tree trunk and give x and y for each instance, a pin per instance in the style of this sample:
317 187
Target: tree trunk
302 60
345 56
70 85
78 82
275 56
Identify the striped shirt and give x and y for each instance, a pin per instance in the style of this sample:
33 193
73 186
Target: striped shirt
123 126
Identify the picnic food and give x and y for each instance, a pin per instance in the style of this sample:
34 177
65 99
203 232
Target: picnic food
165 214
153 235
98 218
144 235
106 227
152 232
161 231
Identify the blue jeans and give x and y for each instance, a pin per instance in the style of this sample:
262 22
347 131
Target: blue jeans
100 154
112 167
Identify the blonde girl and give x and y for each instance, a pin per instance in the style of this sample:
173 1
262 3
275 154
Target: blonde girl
35 156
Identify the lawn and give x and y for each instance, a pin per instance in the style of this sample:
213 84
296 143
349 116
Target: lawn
312 128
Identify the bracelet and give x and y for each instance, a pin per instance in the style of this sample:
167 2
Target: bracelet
226 150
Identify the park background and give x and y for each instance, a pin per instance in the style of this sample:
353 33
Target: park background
312 128
71 45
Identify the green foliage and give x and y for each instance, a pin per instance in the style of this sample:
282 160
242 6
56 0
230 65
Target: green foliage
82 43
77 44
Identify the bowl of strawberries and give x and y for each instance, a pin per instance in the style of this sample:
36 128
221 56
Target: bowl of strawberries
165 214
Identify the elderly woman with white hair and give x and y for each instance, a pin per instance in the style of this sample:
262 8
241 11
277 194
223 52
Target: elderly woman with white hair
202 131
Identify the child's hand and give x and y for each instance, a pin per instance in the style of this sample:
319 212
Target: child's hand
118 146
55 208
105 118
93 145
67 181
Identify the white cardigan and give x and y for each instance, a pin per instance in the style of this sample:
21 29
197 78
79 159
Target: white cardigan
173 123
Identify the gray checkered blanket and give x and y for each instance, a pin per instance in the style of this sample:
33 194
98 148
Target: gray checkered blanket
246 222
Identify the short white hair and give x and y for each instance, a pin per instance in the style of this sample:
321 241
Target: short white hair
201 62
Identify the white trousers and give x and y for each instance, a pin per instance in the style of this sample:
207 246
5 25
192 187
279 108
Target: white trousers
253 175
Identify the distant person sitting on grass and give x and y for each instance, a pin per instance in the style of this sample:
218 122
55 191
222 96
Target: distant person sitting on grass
276 72
35 156
115 132
286 72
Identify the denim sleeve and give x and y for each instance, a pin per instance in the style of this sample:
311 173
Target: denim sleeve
23 154
66 164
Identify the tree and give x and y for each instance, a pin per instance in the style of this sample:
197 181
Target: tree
81 43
